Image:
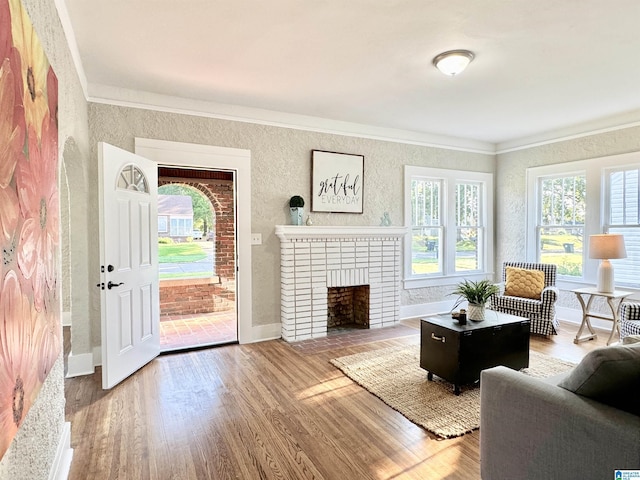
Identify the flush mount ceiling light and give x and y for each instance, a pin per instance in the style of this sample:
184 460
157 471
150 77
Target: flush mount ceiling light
453 62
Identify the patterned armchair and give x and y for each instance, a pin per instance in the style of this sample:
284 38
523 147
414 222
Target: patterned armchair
542 311
629 319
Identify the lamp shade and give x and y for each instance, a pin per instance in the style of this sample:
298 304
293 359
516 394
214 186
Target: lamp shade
607 246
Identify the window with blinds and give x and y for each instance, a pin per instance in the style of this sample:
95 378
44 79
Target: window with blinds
622 212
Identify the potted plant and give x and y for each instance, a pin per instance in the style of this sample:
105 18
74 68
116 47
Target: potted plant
477 294
296 209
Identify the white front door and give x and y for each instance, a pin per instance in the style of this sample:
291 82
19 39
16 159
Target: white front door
128 263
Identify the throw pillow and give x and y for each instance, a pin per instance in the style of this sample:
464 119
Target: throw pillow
610 375
525 283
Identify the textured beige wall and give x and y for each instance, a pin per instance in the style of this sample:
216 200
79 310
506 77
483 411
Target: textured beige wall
511 186
280 168
31 454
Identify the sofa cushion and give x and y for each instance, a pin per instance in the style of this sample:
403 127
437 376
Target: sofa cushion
610 375
522 282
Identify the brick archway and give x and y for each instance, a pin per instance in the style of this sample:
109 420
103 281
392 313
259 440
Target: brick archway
195 296
220 193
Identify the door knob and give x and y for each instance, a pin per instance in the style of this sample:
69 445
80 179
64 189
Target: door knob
110 285
110 268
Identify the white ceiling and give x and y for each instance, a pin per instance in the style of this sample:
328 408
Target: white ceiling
541 65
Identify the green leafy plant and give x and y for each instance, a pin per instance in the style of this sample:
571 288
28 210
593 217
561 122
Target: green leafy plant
477 293
296 201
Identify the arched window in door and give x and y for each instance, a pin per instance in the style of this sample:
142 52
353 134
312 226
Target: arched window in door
132 178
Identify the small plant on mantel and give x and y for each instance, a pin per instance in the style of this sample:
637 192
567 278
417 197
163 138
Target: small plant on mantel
296 201
477 294
296 209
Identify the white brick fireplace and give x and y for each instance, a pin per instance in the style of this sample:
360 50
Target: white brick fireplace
313 259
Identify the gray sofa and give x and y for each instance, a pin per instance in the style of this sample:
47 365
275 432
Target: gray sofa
532 428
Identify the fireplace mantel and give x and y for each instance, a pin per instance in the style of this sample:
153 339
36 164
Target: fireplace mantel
288 233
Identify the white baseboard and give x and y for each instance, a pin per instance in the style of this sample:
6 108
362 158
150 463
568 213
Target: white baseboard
424 309
66 319
261 333
64 454
571 315
97 355
81 364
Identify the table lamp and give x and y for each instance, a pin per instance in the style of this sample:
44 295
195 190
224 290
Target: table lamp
605 247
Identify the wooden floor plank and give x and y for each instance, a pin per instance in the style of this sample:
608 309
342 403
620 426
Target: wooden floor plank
264 411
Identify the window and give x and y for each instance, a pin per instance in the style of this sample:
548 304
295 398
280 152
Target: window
132 178
163 224
568 202
560 229
622 215
426 227
181 227
448 214
469 228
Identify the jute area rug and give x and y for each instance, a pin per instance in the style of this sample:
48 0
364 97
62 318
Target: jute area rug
394 375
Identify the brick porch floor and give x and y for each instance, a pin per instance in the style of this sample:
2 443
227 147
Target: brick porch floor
179 332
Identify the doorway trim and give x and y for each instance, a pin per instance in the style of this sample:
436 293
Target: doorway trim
180 154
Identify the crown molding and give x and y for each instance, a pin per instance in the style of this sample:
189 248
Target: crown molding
67 28
150 101
586 129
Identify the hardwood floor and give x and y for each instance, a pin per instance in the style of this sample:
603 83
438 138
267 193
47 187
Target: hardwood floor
264 411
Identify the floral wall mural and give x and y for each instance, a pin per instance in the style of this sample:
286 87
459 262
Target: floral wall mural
30 331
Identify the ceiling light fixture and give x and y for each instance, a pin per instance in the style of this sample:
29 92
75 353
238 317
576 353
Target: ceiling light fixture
453 62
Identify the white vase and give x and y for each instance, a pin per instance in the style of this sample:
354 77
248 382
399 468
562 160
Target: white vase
475 312
296 215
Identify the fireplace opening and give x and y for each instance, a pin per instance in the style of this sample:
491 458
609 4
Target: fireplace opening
348 307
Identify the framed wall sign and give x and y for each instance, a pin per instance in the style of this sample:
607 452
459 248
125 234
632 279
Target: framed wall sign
336 182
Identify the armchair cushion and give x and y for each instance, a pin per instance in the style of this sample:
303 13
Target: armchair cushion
522 282
629 319
610 375
524 305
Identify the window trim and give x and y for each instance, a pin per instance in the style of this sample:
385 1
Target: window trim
450 178
595 170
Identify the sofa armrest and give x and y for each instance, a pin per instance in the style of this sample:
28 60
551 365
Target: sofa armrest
531 429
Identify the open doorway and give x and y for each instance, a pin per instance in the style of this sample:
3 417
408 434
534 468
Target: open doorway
197 255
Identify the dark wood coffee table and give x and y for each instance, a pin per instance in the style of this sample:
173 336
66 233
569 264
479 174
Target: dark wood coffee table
458 353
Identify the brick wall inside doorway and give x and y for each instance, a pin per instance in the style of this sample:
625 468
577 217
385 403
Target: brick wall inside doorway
195 295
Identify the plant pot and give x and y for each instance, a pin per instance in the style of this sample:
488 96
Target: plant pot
475 312
296 215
